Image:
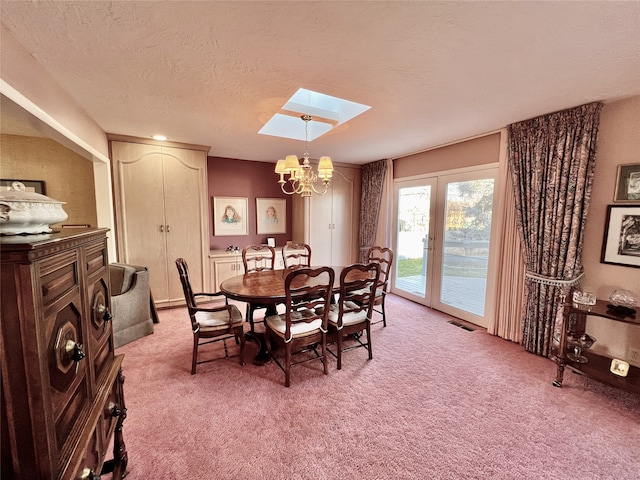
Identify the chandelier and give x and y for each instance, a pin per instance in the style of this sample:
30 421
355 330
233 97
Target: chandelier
302 179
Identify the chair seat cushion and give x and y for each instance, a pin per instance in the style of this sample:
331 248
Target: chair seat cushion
362 291
278 323
348 318
210 321
379 297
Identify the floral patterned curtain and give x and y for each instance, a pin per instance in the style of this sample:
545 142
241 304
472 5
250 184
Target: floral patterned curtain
372 182
552 162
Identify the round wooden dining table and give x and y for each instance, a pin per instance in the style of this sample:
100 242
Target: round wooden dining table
265 287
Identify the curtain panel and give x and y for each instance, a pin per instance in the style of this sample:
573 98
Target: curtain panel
372 182
386 229
552 162
507 321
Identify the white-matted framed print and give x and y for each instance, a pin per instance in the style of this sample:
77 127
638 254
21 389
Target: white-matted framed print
621 244
230 216
271 216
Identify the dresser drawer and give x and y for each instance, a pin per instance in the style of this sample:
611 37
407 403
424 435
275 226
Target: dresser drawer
113 410
92 461
68 372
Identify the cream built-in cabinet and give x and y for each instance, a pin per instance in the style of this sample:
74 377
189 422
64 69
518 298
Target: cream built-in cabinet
330 223
161 213
224 265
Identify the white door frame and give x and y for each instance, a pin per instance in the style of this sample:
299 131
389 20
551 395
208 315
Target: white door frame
432 295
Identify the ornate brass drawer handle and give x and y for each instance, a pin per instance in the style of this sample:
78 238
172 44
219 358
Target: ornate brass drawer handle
114 410
88 474
75 352
104 311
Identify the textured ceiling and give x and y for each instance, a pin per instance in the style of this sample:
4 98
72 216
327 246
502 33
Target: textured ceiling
212 73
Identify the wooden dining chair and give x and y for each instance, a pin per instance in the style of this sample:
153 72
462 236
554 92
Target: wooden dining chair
257 258
296 255
303 325
384 257
351 315
212 323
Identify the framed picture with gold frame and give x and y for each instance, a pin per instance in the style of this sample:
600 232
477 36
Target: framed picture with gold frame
628 183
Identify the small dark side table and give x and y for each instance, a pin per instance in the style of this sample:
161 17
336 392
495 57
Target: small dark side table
597 366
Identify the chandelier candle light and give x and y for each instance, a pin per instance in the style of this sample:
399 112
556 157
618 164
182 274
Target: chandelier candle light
302 178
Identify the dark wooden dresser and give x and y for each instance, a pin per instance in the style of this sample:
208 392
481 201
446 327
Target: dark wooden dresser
62 385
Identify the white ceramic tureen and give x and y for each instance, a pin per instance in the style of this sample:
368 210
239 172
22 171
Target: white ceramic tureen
23 212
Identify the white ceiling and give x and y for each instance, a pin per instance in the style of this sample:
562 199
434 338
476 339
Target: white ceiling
212 73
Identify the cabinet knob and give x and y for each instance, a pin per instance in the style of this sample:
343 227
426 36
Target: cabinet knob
106 314
168 229
88 474
162 228
75 352
114 410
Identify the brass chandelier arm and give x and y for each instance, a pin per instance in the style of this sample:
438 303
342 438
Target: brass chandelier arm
303 188
301 175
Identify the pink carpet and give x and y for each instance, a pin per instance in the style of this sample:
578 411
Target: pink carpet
436 402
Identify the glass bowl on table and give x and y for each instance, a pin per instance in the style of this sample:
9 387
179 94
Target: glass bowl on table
579 344
584 300
622 302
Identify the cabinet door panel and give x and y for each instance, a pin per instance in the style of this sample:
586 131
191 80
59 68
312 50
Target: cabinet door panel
320 229
341 220
184 191
332 222
68 374
226 268
142 212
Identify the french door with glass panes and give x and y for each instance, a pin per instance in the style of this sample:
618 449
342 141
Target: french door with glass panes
443 246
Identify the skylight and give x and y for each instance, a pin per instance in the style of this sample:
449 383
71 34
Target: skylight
327 112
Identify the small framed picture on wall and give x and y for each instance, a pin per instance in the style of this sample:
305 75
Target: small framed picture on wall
230 216
271 216
36 186
628 183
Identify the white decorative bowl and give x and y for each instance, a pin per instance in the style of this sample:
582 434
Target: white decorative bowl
23 212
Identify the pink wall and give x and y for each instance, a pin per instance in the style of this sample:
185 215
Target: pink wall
242 178
618 143
466 153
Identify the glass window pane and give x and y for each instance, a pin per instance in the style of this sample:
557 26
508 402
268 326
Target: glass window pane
413 230
466 244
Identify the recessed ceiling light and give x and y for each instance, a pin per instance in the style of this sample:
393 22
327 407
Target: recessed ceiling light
161 138
328 112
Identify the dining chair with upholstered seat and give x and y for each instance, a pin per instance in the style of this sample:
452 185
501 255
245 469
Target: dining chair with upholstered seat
384 257
257 258
351 315
211 323
296 255
303 325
